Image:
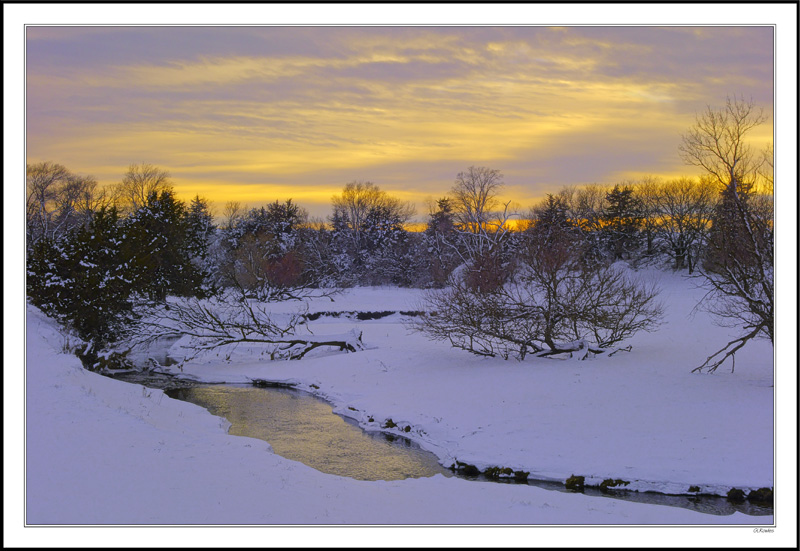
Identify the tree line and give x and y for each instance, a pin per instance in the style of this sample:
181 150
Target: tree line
502 281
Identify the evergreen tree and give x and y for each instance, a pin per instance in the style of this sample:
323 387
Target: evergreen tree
622 221
282 223
157 247
343 251
200 228
364 220
439 242
552 221
739 262
385 248
82 279
47 274
552 237
265 257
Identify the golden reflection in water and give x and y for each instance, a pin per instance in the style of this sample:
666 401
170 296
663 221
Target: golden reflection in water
303 428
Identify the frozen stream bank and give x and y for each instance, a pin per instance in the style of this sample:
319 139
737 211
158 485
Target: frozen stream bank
100 451
303 428
640 416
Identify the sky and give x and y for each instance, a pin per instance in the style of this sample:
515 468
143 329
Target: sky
258 113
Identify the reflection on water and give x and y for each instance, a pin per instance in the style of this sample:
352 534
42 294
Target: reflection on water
301 427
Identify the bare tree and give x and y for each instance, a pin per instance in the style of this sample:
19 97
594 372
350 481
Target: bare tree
482 226
138 183
58 200
369 237
717 141
42 181
762 198
766 170
359 199
475 197
231 214
84 194
543 313
586 205
686 207
578 299
556 303
738 267
478 322
738 273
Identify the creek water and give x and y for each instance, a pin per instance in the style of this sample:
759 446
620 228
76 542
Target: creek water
304 428
301 427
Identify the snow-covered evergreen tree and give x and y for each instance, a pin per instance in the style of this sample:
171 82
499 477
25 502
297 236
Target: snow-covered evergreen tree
83 279
439 242
264 257
366 223
199 228
156 245
385 249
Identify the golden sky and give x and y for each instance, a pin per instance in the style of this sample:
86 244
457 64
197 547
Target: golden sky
254 114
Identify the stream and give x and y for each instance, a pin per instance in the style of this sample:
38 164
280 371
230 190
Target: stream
302 427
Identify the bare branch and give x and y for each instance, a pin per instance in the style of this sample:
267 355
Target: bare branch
738 267
214 324
727 351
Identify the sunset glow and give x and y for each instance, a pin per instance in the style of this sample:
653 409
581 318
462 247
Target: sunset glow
507 269
254 114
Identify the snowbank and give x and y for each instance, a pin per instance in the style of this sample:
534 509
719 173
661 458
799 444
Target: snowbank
641 416
100 451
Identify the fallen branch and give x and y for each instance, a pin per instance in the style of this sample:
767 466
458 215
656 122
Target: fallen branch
296 348
213 325
727 351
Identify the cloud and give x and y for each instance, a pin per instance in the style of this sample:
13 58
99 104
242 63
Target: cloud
241 111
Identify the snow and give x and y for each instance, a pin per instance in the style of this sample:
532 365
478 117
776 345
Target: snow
641 416
100 451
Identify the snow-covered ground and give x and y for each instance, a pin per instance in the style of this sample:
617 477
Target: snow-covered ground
100 451
640 416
